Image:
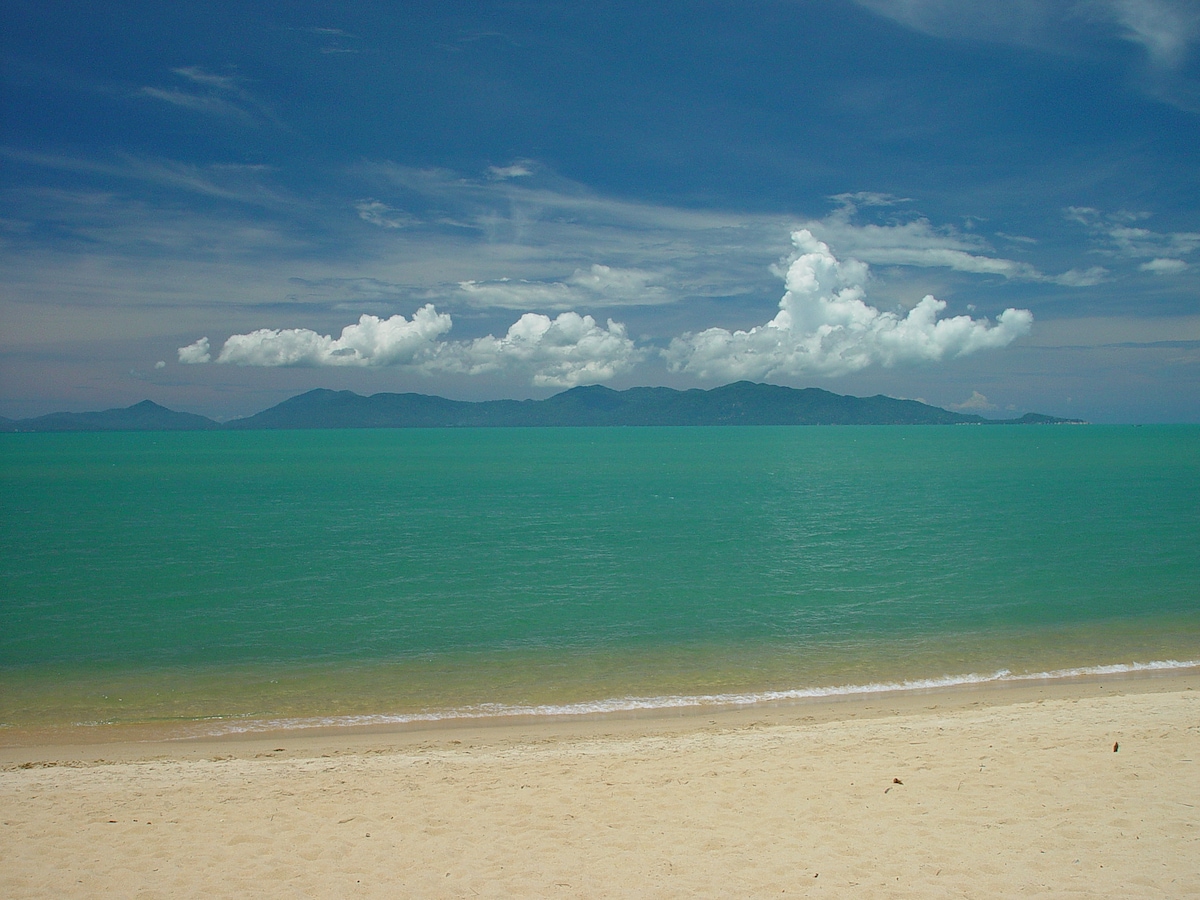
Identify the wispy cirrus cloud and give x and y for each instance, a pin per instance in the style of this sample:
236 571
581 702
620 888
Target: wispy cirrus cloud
379 213
1166 31
1118 235
211 93
237 182
540 242
597 286
336 40
624 253
915 241
522 169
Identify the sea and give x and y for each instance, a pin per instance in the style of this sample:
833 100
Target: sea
214 583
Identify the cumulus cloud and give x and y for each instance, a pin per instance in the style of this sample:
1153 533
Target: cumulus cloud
561 352
370 342
195 353
825 327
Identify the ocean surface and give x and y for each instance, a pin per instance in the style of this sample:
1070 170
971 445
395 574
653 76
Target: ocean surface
223 582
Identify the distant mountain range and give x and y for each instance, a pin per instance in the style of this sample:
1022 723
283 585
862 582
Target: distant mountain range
742 403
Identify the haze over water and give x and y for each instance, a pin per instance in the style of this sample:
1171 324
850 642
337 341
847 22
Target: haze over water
234 579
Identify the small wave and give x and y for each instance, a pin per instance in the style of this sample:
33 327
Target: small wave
726 701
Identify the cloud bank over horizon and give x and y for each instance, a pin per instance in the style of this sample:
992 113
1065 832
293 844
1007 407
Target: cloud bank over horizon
562 352
824 327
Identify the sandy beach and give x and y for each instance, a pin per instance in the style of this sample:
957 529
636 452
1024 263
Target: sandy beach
1003 791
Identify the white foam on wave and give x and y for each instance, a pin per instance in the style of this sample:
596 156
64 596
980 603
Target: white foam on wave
638 704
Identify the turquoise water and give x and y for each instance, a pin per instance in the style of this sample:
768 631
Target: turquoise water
299 576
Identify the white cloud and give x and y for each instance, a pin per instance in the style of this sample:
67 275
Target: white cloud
651 255
195 353
562 352
379 213
917 242
1163 28
1121 238
528 234
507 294
516 170
1162 266
1082 277
205 103
824 327
222 95
240 183
1015 21
597 285
617 285
975 401
1135 242
161 364
371 342
197 75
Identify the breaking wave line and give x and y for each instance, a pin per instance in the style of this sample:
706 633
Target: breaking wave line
638 704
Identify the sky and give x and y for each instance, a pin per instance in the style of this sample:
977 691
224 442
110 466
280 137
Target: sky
990 207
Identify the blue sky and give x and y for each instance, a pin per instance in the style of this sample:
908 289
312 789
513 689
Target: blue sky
993 207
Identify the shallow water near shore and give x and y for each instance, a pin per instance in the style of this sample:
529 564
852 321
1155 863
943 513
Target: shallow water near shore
235 579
